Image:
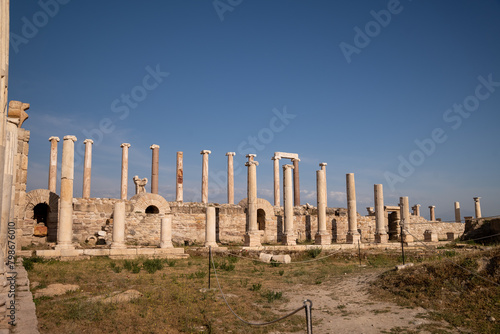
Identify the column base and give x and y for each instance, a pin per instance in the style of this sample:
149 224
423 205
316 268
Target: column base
118 245
322 238
407 237
64 246
166 244
211 244
352 238
381 238
252 239
289 240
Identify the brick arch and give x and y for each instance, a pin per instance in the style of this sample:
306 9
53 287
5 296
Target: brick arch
39 196
261 204
141 201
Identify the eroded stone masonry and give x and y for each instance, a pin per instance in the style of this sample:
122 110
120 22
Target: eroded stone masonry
122 226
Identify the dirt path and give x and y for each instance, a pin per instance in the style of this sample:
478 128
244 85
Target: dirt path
347 307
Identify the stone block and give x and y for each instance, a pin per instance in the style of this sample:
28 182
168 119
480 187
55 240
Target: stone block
282 258
40 230
265 257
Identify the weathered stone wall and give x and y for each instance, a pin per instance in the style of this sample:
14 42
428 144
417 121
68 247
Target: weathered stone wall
21 160
188 222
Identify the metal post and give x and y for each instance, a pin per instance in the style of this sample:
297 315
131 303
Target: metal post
359 252
402 242
209 264
308 307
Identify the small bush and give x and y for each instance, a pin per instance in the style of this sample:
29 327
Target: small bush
132 266
256 287
274 263
272 295
281 272
232 259
313 253
198 274
117 269
170 263
152 265
28 262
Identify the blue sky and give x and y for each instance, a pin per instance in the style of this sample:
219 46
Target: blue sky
405 93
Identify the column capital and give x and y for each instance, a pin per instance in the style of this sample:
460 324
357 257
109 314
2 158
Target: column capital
276 158
285 167
54 138
296 159
127 145
154 146
250 163
250 156
230 154
432 206
476 199
73 138
205 152
322 164
88 141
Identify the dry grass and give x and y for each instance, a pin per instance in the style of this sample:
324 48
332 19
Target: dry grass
175 299
450 289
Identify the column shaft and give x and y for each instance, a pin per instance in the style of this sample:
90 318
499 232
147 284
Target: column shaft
289 236
230 177
87 166
154 169
119 225
457 212
296 182
477 207
252 237
179 180
404 205
8 179
276 170
432 213
166 232
53 164
380 232
65 227
124 179
322 236
352 233
210 228
204 176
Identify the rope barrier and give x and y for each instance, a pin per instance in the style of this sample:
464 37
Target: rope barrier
307 306
296 262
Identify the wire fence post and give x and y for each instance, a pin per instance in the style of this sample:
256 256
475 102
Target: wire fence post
359 252
402 242
308 306
209 260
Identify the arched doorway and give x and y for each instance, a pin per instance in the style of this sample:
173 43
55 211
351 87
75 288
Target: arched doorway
152 209
41 213
261 219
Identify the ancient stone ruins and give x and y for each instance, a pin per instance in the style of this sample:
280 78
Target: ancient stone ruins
149 225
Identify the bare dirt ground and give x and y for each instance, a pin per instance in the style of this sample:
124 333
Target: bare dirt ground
347 307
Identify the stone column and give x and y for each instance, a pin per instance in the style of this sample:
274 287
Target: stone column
381 236
252 237
87 165
7 212
322 236
154 168
432 213
65 226
352 234
124 183
204 176
276 166
477 206
53 164
416 210
289 238
166 232
296 182
404 205
179 180
210 237
119 225
458 217
230 177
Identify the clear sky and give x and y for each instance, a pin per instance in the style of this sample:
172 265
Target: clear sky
405 93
